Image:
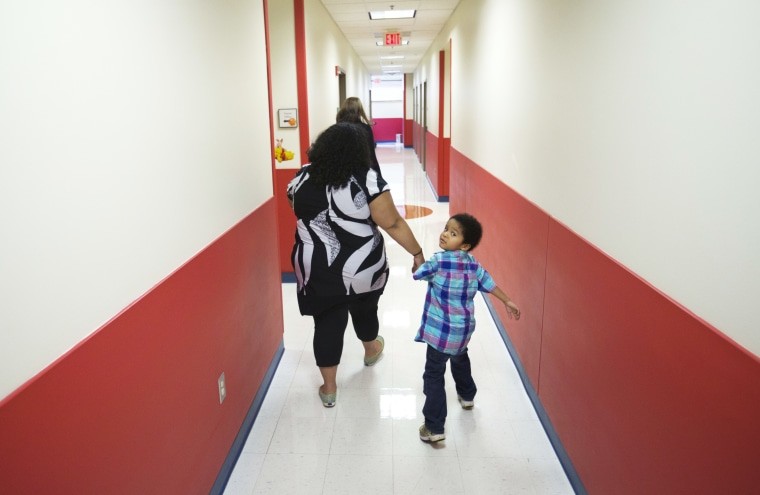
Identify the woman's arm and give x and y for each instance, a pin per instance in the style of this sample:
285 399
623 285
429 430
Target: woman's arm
386 216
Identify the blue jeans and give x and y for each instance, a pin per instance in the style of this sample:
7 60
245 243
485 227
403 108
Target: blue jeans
434 409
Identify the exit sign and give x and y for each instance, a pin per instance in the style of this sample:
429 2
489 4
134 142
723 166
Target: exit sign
392 38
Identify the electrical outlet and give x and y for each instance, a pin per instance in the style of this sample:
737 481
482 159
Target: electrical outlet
222 388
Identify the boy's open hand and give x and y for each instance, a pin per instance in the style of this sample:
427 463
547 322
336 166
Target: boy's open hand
512 310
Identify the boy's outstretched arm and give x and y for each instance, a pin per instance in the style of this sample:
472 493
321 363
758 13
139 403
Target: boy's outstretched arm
512 308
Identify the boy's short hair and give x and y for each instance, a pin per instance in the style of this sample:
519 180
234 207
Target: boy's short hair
472 231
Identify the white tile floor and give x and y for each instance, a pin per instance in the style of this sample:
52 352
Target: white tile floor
368 443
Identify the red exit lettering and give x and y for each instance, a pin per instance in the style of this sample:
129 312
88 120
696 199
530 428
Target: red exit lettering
392 38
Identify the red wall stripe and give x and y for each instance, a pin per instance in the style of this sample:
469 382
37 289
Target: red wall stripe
437 153
649 399
134 408
460 165
301 74
444 143
432 165
644 396
286 219
514 243
445 160
442 185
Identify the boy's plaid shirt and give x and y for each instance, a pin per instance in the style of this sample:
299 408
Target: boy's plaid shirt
448 320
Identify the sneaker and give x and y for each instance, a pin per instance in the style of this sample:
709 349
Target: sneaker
428 436
466 404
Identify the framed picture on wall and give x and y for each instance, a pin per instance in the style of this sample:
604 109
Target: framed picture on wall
287 117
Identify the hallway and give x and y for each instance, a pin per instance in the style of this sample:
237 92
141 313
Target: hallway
368 443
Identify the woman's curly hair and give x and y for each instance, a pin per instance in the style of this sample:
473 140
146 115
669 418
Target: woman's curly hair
339 152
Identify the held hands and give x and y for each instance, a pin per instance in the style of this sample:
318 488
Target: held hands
512 309
419 259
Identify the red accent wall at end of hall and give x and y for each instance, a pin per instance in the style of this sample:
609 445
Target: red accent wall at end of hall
385 130
644 396
134 408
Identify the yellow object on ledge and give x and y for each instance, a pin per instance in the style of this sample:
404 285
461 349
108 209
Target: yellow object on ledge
280 153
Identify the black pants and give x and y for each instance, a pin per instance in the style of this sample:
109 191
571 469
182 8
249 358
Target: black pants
434 409
330 326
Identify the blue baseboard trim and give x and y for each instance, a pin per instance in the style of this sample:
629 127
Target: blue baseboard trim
288 277
237 445
440 199
551 433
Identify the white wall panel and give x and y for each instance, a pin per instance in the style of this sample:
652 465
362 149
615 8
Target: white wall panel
634 123
326 48
132 134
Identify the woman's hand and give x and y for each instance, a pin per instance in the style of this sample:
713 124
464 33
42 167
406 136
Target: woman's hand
419 259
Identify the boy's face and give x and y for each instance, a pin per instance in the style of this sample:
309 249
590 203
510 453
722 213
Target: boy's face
451 238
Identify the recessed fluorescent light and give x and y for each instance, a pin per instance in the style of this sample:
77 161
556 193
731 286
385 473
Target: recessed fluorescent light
391 57
391 14
382 43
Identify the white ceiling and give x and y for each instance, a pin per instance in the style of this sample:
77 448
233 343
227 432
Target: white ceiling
352 17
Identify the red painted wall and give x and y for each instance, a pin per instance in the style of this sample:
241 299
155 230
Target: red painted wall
286 217
437 163
386 129
134 408
514 246
408 133
432 168
444 160
417 138
644 396
299 21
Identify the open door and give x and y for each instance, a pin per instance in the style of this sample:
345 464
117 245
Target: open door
341 86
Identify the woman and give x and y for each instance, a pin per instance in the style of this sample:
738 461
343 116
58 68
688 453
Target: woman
352 111
339 253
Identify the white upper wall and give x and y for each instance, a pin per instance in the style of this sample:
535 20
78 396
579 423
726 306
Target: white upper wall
387 98
426 83
633 123
132 135
284 78
326 48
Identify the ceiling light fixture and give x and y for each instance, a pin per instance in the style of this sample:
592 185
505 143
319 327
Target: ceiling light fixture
377 15
382 42
391 57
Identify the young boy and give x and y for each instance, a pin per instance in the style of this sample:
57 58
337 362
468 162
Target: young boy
448 320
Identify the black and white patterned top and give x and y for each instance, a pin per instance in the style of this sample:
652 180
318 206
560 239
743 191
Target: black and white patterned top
339 251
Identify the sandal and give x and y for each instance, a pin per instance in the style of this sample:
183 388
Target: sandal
369 361
328 400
